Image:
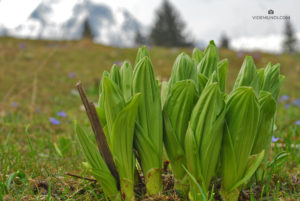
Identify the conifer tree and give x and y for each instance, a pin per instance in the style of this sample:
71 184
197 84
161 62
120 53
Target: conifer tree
87 31
224 41
290 40
168 29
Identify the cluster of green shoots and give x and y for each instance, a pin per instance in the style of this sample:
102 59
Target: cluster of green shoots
206 133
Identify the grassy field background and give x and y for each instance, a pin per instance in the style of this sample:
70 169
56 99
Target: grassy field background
37 80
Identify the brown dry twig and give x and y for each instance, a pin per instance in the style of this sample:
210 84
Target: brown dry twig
98 132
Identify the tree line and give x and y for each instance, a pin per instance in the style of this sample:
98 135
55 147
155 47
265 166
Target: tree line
169 30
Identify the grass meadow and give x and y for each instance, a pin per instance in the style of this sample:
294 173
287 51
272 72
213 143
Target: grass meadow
40 157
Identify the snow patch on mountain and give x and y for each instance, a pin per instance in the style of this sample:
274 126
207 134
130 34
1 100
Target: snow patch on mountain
64 20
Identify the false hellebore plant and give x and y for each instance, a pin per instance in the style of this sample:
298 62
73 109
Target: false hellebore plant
149 126
206 133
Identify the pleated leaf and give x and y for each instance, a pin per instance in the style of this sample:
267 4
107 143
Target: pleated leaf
197 55
248 75
115 75
98 165
202 80
164 88
242 118
113 102
222 71
122 143
266 123
273 80
149 130
100 107
177 112
206 126
126 73
183 68
209 62
261 77
142 52
253 163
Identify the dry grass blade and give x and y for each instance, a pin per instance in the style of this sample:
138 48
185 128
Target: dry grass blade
99 134
80 177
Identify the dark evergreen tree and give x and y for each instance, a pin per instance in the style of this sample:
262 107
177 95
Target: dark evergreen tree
139 39
224 41
290 40
168 29
87 31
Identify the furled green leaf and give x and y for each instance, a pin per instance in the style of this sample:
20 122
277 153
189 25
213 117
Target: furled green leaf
209 62
266 123
272 81
126 80
98 165
197 55
248 75
177 112
202 80
164 88
100 107
149 130
183 68
115 75
253 163
242 116
261 77
213 78
206 125
113 102
122 145
142 52
222 71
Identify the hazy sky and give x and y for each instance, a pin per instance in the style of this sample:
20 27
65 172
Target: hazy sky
205 19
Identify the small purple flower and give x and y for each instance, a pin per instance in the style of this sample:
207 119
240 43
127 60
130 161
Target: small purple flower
14 104
297 123
240 54
22 46
54 121
118 63
284 98
61 114
296 102
72 75
274 139
256 55
287 106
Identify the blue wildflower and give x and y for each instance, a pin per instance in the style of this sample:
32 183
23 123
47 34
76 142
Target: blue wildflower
283 98
22 46
14 104
72 75
118 63
240 54
296 102
61 114
274 139
297 123
287 106
54 121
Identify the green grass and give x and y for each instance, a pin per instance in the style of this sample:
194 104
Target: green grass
36 156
